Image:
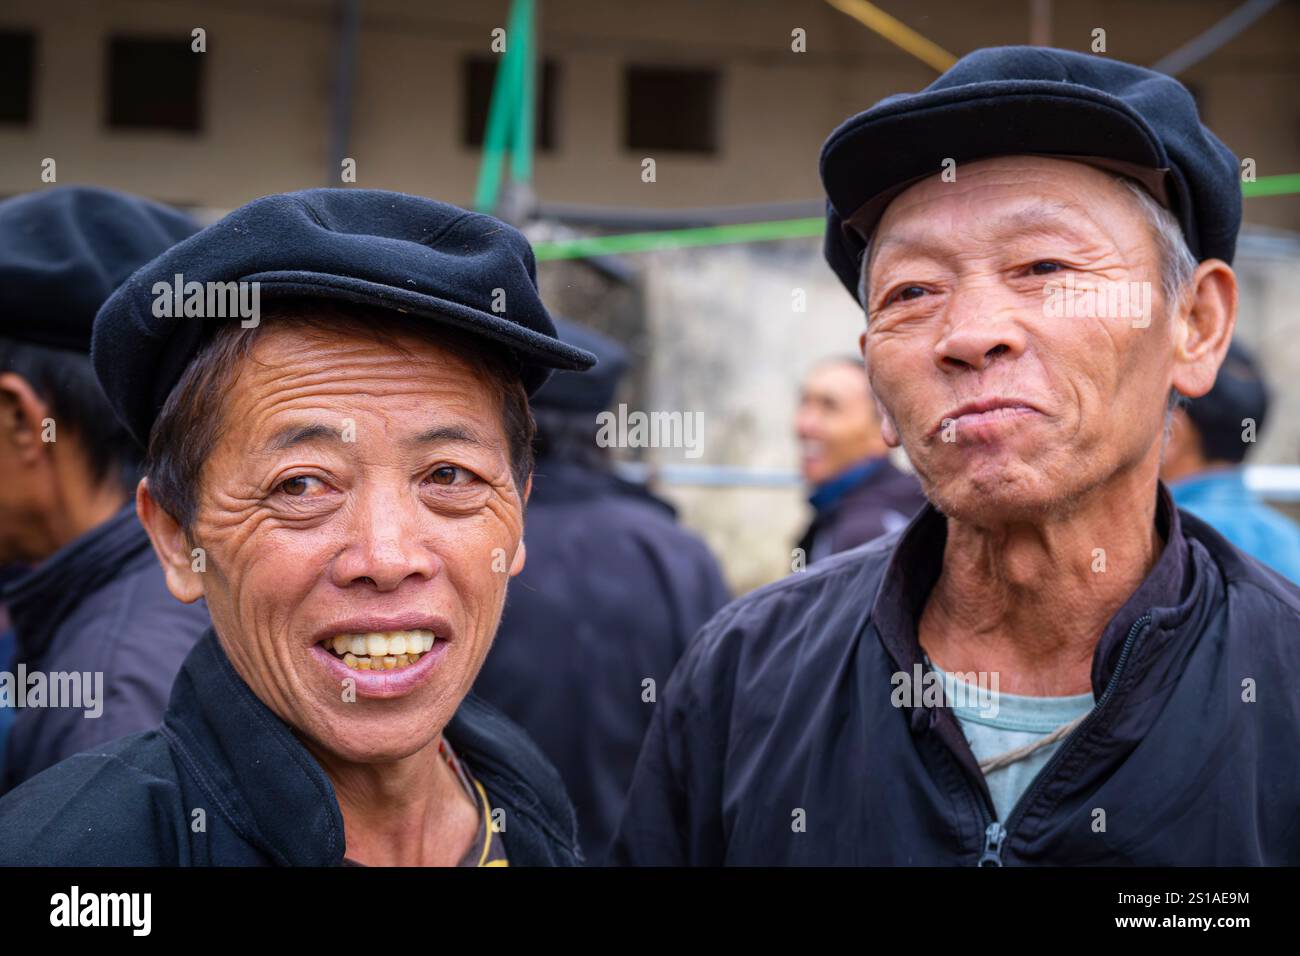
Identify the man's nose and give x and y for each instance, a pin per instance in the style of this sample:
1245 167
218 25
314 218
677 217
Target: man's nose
805 423
387 545
979 329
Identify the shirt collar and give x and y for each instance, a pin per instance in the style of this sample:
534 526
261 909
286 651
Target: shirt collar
1218 483
828 494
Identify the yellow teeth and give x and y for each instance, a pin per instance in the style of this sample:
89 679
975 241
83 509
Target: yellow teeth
380 663
380 651
390 644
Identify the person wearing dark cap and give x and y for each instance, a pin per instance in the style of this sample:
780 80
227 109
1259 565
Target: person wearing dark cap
340 472
857 492
92 613
613 591
1051 664
1208 442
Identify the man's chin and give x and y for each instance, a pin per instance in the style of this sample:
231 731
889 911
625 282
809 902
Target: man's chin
376 738
992 499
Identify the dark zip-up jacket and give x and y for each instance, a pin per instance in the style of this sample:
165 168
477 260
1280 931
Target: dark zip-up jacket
776 741
100 604
613 591
223 782
884 499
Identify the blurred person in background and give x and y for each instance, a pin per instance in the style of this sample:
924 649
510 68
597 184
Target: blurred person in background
94 600
8 644
1202 465
857 493
612 593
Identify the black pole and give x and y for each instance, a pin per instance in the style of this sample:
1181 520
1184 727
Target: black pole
349 20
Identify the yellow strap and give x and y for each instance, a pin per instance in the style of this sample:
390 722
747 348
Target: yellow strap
896 32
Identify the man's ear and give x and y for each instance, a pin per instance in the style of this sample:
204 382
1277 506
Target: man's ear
521 554
1203 328
22 413
180 566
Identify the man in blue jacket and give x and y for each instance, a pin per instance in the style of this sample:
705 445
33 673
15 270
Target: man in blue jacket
856 492
1051 664
93 612
1207 444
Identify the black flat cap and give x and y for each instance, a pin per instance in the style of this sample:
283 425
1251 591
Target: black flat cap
64 250
1017 100
591 391
388 250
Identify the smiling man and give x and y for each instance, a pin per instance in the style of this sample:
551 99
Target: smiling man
1041 244
856 492
343 480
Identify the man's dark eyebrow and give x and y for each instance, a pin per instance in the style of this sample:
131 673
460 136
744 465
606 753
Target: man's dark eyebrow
300 434
293 435
448 433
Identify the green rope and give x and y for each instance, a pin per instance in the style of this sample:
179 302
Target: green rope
590 246
1272 186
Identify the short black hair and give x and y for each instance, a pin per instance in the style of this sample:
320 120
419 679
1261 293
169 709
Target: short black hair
65 380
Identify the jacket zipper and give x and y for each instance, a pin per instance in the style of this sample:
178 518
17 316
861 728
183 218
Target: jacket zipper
995 834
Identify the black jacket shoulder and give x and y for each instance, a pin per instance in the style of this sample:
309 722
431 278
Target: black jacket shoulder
118 804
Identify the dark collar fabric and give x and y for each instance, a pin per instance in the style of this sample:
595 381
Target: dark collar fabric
41 600
918 560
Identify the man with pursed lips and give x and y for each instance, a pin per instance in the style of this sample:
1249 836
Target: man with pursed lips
1051 664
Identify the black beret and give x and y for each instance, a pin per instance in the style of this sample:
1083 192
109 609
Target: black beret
1239 393
402 253
64 250
590 391
1033 100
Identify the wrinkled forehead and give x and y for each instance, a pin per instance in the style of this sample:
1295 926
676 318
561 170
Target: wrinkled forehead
286 352
864 220
290 368
998 200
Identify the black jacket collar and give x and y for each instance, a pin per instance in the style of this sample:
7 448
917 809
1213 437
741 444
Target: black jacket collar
41 600
918 559
277 797
1169 601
